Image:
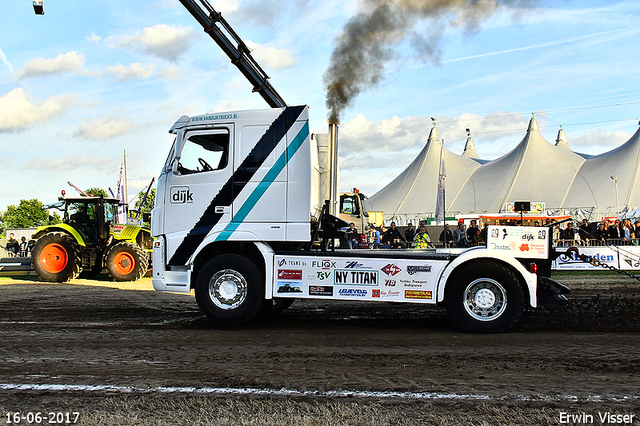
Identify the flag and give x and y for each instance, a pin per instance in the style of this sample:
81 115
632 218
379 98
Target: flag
442 174
122 210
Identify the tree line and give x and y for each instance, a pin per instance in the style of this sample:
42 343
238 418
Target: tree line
31 214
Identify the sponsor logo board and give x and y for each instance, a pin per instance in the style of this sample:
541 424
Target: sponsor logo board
288 287
391 269
321 290
412 270
353 292
418 294
349 277
289 274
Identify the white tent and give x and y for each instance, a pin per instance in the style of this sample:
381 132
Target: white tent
535 170
412 195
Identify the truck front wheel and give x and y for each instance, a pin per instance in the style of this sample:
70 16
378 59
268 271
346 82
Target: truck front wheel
229 290
485 297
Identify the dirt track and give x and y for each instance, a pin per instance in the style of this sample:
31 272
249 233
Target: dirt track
87 335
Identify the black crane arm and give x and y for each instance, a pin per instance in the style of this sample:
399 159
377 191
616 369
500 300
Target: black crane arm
222 33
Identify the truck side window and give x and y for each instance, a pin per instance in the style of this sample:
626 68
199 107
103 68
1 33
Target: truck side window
205 152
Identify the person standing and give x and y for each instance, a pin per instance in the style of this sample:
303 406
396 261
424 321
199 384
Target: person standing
460 235
410 233
422 239
472 234
352 236
392 237
23 247
446 236
12 246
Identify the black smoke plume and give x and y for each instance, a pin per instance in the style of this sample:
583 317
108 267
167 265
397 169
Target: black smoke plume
365 44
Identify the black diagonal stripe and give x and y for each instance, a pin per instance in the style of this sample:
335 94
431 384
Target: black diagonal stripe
236 183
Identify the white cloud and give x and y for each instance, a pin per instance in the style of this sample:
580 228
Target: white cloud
19 113
135 70
163 41
93 38
170 73
104 128
271 57
600 138
71 162
64 62
226 6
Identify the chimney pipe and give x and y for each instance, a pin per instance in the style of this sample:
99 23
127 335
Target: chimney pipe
334 195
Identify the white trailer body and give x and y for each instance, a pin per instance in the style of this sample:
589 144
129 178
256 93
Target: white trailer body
232 221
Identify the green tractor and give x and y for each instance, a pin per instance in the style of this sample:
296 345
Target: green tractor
88 240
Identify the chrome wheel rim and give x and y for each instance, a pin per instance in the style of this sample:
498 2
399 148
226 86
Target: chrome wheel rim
485 299
227 289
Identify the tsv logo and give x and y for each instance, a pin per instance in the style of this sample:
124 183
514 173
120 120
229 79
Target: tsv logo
181 195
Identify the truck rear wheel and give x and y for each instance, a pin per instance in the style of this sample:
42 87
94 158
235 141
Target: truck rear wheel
56 257
229 290
485 297
126 262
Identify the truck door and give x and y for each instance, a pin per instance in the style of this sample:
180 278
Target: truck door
197 189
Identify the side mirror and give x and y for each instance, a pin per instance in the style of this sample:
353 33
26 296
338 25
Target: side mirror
174 166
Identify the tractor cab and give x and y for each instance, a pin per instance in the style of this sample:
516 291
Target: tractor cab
90 216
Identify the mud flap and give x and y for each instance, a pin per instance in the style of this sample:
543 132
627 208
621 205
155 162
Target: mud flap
551 293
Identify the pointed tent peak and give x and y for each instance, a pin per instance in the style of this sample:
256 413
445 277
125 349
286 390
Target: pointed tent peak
469 147
533 124
561 140
433 134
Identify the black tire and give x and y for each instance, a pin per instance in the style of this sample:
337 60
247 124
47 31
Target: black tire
56 257
485 297
126 261
241 297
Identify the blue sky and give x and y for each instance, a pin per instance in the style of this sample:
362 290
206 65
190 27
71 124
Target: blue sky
89 80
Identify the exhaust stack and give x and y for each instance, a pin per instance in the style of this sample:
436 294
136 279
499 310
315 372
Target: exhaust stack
334 195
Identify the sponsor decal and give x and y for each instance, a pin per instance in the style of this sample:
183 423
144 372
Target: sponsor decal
291 262
324 264
321 290
413 283
527 237
389 293
411 270
375 292
323 275
348 277
215 117
353 264
117 229
287 287
418 294
524 247
180 195
391 269
389 283
352 292
289 274
542 234
495 233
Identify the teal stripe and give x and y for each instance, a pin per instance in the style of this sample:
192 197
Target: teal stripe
266 182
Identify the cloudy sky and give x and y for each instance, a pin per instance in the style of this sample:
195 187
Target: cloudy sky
89 80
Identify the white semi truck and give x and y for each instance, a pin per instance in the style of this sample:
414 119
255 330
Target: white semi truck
247 208
236 222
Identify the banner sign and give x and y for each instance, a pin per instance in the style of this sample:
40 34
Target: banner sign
524 242
621 257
